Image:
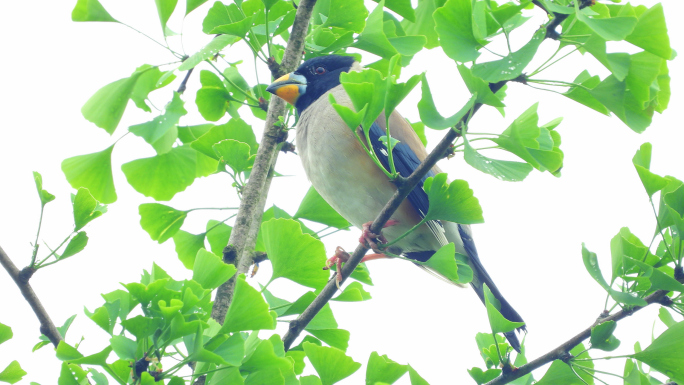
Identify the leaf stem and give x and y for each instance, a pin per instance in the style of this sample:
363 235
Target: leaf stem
211 208
660 230
147 36
599 371
390 155
556 61
402 236
40 264
179 352
36 244
371 152
496 343
268 37
545 89
247 94
331 233
556 83
572 367
493 53
322 230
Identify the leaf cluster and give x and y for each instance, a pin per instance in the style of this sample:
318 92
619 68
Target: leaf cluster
159 325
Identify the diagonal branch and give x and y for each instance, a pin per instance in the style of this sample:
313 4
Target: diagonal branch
562 351
405 186
243 236
22 281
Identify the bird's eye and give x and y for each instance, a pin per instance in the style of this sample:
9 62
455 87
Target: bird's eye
320 70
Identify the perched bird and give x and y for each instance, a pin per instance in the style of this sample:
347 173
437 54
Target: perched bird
346 177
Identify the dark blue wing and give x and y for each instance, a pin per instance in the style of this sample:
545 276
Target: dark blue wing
405 161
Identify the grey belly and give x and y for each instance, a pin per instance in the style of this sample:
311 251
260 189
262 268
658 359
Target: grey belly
350 182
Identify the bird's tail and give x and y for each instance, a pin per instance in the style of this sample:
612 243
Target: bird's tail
481 277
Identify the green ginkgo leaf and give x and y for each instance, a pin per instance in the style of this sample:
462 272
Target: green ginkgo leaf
642 162
90 10
454 25
107 106
602 336
13 373
452 202
512 65
666 353
163 176
235 154
5 333
86 208
294 255
187 246
212 48
331 364
650 33
347 14
497 321
160 221
150 79
501 169
432 118
45 197
161 132
210 271
94 172
165 8
381 369
248 310
316 209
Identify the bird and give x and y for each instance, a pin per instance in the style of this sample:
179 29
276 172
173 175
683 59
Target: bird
340 170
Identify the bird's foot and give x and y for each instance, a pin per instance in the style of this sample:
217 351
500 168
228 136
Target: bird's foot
342 256
371 239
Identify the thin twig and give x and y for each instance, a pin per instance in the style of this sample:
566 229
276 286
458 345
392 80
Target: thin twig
564 348
47 327
36 244
184 83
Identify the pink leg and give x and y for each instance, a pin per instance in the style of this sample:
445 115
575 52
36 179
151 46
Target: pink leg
370 239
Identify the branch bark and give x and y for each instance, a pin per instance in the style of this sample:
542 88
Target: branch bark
248 220
47 327
565 348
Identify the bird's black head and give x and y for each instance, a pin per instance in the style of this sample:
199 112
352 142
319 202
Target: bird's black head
311 80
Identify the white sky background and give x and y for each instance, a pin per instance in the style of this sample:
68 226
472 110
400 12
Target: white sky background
530 242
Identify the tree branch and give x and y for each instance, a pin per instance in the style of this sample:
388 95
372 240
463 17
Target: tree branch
404 187
243 236
565 348
21 280
184 83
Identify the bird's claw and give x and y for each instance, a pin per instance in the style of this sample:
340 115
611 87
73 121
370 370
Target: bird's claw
337 259
370 239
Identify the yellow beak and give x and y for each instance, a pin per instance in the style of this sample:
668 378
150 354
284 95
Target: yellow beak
289 87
